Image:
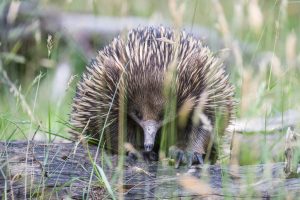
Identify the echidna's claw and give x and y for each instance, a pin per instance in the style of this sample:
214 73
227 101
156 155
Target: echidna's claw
150 156
195 158
185 157
176 154
179 158
199 158
131 158
190 160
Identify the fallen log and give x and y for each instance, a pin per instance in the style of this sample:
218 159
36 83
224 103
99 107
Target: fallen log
31 169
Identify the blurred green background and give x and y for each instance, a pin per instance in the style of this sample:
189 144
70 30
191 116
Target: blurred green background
42 55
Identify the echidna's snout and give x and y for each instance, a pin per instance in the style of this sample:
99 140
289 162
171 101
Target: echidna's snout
150 128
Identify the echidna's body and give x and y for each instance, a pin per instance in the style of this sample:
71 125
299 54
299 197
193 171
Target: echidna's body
135 70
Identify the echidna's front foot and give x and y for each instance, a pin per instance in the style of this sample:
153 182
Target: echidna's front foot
150 156
131 157
185 157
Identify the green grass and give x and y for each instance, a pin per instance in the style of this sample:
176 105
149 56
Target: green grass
271 90
28 108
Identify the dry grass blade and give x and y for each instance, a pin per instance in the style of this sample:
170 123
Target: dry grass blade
290 49
17 93
255 16
13 12
177 12
195 185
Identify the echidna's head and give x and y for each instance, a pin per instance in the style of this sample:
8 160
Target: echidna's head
146 108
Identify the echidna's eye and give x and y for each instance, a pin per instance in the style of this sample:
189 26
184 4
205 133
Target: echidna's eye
137 114
161 116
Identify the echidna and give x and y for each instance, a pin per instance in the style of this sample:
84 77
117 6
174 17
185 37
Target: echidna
129 78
